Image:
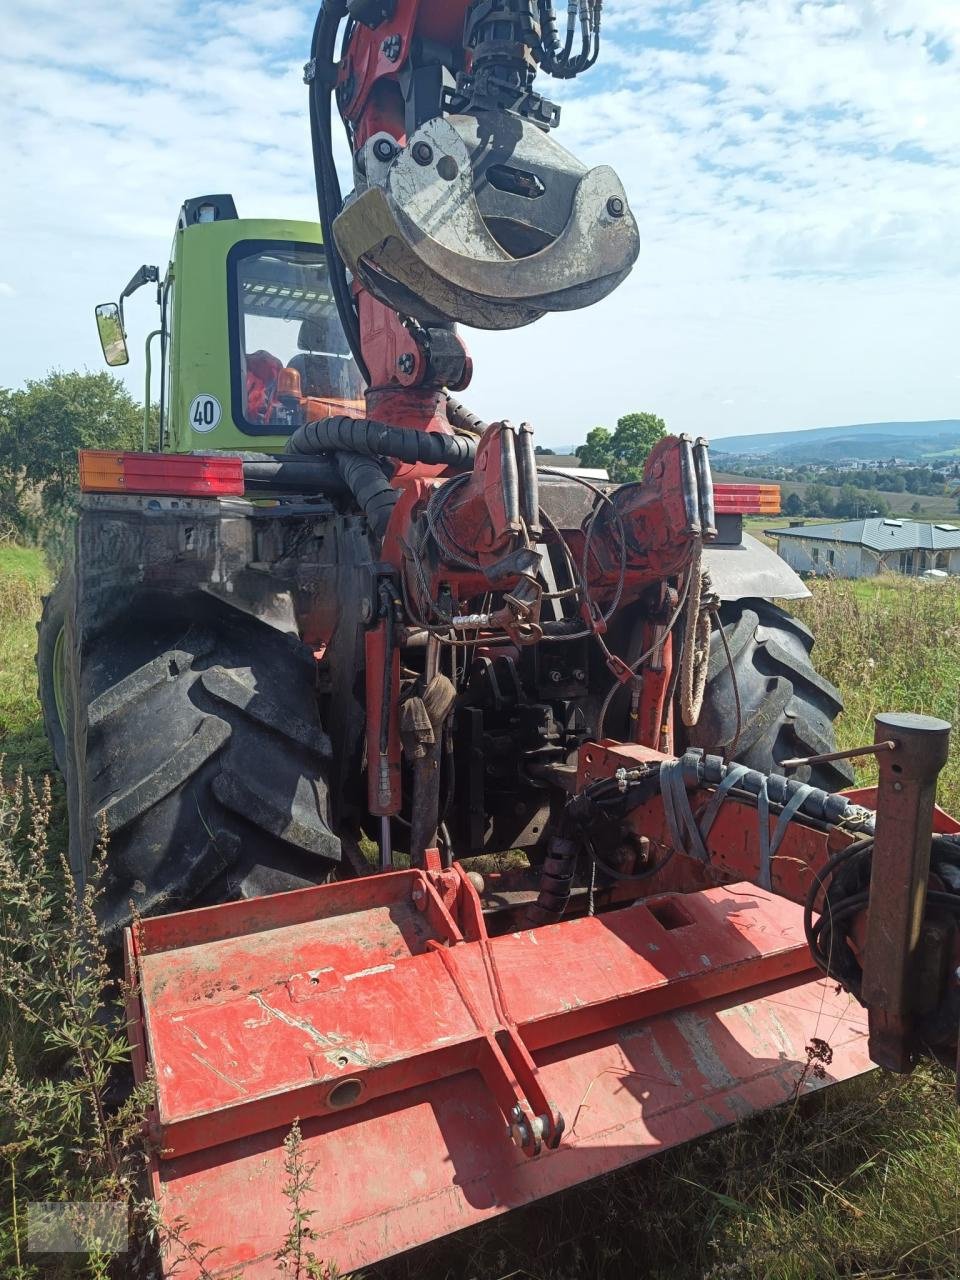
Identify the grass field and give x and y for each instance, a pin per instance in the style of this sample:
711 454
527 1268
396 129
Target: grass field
862 1180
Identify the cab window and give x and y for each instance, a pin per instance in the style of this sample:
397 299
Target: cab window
292 362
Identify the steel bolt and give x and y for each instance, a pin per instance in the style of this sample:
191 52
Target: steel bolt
447 168
520 1134
422 153
406 363
615 207
384 149
579 675
391 47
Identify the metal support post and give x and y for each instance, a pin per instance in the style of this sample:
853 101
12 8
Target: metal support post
898 881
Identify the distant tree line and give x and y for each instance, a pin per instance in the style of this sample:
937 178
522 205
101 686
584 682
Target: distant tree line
847 503
901 478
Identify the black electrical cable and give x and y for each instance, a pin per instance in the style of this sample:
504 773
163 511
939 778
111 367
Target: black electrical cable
622 877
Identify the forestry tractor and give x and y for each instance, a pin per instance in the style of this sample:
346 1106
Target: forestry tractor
482 816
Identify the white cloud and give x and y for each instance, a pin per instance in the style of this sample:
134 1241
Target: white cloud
794 166
7 290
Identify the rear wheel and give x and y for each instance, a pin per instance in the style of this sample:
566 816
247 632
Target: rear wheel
51 669
198 751
787 708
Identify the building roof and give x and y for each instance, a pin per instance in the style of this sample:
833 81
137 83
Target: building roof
879 534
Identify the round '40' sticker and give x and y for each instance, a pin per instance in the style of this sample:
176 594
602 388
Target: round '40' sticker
205 413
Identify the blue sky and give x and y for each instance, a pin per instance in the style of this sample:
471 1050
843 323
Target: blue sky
794 166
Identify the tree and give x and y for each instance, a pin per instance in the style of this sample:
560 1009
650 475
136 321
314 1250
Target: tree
598 450
878 504
625 451
850 502
42 425
915 508
793 505
543 449
818 500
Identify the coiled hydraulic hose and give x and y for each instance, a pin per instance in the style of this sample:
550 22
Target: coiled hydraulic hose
371 488
463 419
357 445
377 440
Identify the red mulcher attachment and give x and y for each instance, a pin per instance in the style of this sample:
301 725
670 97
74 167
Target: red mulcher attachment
442 1076
443 1072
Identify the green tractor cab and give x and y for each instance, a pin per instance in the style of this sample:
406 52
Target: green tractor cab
251 344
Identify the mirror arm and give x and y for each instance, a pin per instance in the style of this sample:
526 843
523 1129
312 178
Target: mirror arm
146 275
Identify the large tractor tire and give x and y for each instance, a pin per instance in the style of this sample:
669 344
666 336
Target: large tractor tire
787 708
51 669
195 747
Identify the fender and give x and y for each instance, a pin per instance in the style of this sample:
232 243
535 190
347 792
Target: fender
751 570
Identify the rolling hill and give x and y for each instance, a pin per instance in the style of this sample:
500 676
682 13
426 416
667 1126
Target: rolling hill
870 441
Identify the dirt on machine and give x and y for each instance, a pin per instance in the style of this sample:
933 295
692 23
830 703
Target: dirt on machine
331 642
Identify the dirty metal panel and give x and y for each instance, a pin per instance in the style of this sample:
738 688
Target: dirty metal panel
249 1032
648 1026
402 1170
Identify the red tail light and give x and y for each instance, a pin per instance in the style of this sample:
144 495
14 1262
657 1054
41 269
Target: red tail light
181 475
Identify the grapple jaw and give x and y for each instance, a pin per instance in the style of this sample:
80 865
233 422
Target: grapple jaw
443 231
441 1075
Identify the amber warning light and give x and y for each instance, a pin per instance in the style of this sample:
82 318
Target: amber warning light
181 475
747 499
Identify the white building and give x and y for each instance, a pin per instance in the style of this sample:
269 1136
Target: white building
862 548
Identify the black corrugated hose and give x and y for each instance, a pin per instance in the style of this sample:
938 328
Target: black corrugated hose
357 445
378 440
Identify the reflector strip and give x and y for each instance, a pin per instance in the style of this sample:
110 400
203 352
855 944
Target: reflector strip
747 499
181 475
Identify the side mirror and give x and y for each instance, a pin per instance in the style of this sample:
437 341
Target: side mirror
110 328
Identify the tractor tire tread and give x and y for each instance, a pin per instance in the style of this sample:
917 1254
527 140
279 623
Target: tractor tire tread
788 708
198 744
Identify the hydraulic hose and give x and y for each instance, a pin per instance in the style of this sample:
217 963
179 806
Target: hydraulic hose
321 77
463 419
377 440
371 488
293 475
556 881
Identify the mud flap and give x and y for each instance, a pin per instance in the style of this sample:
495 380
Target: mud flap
441 1076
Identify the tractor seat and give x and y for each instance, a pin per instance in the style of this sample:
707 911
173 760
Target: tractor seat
327 377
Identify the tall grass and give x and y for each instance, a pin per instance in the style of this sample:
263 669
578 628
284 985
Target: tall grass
23 580
890 644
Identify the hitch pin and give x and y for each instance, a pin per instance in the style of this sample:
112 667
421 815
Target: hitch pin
875 748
